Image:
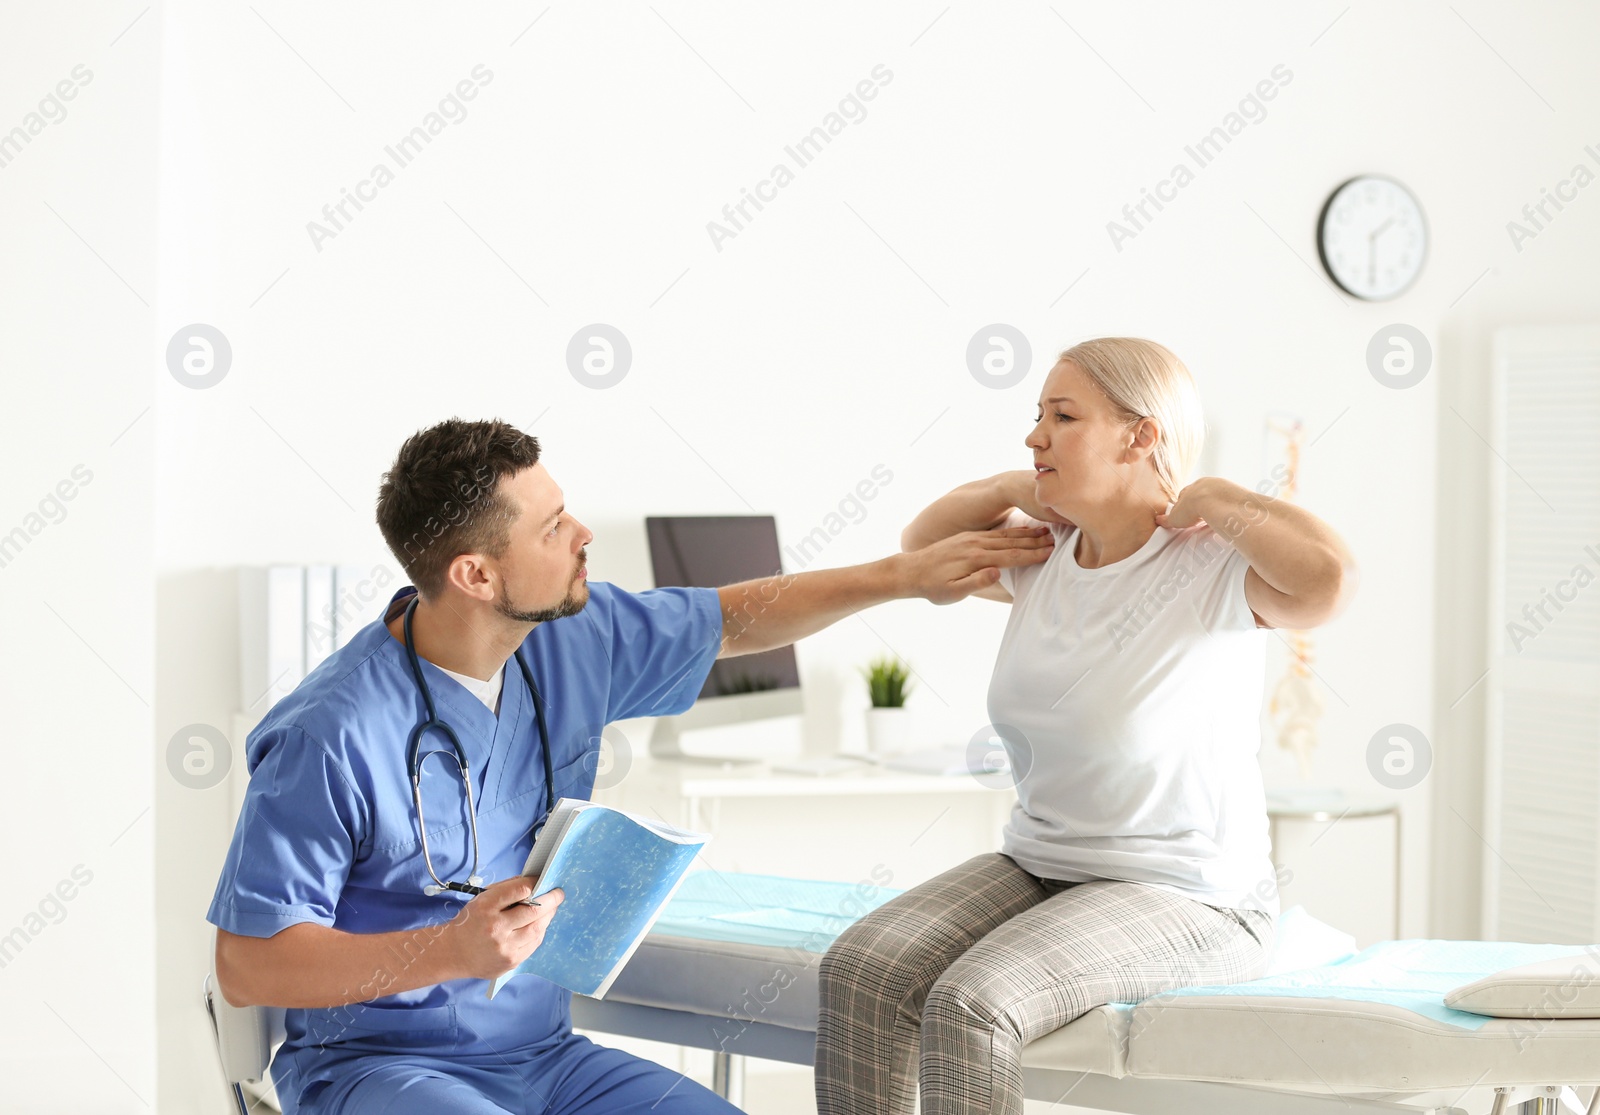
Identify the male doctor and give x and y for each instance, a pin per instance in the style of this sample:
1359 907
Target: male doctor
321 905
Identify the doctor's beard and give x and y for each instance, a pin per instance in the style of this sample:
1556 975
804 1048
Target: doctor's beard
571 606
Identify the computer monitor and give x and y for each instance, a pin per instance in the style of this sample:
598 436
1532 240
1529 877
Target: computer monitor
712 551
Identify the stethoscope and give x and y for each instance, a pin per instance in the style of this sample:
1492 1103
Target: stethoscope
474 883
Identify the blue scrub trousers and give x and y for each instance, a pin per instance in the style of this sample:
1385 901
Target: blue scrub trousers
574 1076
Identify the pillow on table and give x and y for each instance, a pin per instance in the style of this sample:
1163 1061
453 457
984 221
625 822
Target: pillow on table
1562 987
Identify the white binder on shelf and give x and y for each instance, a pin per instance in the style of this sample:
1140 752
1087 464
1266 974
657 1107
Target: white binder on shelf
353 598
319 610
272 634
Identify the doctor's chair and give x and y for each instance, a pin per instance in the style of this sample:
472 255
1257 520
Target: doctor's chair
246 1038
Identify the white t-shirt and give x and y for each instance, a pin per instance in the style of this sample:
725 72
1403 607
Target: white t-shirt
486 691
1131 696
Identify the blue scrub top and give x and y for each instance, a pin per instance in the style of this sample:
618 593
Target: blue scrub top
328 832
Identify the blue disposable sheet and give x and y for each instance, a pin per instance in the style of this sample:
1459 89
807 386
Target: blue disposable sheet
1414 975
805 914
766 909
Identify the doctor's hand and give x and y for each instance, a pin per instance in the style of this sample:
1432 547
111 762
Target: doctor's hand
495 932
954 568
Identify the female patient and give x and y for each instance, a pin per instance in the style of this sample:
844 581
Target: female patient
1128 694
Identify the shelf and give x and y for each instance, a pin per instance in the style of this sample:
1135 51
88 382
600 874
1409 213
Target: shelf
757 780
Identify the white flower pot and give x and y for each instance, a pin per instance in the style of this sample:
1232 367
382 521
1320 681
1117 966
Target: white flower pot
891 731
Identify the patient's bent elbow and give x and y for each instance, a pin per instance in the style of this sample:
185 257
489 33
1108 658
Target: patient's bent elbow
1335 592
1349 583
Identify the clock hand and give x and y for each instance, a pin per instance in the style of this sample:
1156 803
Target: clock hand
1372 250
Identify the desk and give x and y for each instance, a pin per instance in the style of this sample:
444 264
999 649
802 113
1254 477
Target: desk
872 825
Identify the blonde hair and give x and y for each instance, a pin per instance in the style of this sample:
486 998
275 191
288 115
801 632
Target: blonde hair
1145 380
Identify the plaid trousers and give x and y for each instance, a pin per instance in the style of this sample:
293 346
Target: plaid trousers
977 962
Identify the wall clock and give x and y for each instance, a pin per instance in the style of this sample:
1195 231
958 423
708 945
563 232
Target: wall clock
1372 237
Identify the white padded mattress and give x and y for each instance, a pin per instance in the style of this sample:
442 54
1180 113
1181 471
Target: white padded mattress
778 986
1300 1044
1339 1045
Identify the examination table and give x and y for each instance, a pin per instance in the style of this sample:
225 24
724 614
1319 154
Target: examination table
731 967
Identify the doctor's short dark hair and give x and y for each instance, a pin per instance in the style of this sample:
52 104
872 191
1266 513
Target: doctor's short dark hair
442 499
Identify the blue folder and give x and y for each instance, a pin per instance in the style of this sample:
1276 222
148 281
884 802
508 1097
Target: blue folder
616 874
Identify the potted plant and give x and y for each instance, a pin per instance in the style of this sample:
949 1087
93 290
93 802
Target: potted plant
890 727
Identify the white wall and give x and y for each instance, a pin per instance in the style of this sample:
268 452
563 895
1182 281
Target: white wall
826 338
78 287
